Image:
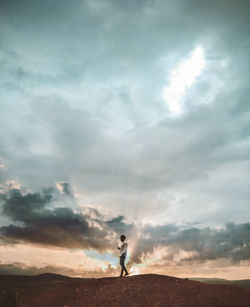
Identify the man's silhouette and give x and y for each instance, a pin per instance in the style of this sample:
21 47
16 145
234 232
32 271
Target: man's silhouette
123 253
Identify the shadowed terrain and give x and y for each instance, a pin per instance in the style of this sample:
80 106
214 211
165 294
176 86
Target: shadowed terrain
140 290
243 282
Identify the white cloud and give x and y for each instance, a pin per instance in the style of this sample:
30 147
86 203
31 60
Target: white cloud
183 77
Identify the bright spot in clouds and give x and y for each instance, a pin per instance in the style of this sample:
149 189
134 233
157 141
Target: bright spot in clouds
181 78
134 270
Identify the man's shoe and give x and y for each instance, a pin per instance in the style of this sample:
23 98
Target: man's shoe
126 274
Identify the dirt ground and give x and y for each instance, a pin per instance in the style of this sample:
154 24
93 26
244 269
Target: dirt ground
140 290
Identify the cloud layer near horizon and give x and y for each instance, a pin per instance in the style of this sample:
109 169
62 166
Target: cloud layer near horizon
62 227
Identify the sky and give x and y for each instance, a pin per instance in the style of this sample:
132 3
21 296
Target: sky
125 117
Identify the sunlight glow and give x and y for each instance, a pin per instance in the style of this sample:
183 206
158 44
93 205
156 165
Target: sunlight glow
134 271
181 78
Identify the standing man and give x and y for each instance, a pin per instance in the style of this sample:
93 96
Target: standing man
123 253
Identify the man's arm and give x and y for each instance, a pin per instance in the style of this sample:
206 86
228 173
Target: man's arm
123 248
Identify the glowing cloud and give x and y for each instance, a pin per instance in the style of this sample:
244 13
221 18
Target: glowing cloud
181 78
134 271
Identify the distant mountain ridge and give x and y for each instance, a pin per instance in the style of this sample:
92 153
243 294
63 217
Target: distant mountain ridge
51 276
241 282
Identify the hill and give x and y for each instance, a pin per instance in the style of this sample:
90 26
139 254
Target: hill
140 290
242 282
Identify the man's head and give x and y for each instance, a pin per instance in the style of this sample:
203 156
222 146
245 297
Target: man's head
122 237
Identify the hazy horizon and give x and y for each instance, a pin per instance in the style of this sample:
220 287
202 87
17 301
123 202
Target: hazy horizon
125 117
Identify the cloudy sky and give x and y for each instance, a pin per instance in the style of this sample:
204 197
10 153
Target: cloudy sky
125 116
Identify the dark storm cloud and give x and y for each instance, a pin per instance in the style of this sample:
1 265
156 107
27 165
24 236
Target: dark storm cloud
231 242
57 227
118 225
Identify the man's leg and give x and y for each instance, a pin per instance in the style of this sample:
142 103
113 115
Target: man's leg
122 258
126 272
122 262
